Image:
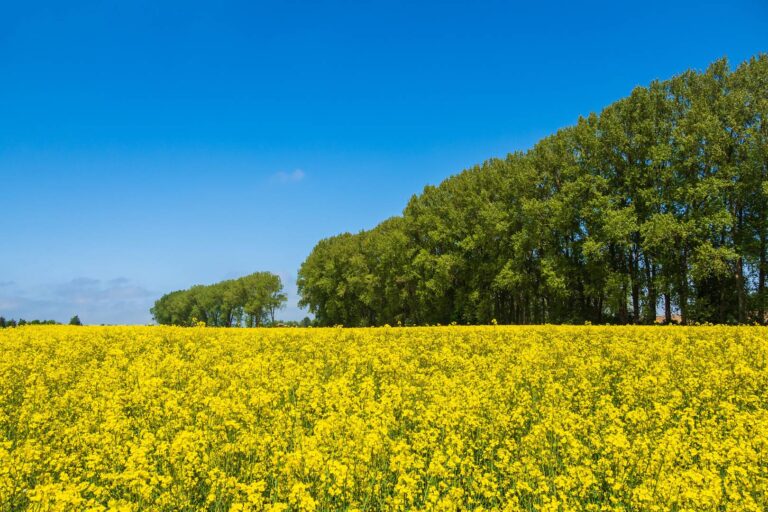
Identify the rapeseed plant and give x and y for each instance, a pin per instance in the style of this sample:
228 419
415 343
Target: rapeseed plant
445 418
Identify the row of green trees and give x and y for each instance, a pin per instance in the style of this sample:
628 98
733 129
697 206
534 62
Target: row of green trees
656 206
75 320
249 301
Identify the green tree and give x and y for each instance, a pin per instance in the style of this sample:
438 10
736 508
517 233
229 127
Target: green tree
661 199
248 301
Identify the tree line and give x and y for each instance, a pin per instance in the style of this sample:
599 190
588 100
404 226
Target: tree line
249 301
10 322
656 206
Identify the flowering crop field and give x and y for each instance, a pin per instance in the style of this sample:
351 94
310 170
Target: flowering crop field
443 418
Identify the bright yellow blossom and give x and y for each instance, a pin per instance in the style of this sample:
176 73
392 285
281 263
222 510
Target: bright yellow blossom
443 418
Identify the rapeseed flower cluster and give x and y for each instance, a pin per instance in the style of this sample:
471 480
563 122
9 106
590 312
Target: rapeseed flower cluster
446 418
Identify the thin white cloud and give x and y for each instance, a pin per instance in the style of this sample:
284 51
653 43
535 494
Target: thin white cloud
117 300
8 303
288 177
111 301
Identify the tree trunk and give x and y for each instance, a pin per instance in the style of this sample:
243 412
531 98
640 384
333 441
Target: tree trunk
741 290
635 303
634 286
761 282
600 310
623 314
651 285
684 290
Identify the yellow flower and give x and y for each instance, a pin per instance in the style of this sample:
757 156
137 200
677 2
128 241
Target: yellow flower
434 418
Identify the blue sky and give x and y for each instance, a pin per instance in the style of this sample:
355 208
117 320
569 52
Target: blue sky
147 146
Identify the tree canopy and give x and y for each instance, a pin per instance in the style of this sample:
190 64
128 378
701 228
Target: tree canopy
14 323
249 301
657 205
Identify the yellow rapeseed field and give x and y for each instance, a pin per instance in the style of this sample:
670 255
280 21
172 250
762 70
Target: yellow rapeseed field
445 418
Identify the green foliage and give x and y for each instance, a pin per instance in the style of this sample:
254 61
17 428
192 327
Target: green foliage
249 301
75 320
658 202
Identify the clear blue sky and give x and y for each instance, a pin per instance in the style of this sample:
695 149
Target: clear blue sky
147 146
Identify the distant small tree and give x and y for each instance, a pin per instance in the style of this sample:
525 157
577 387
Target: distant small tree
75 320
22 321
306 322
2 322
